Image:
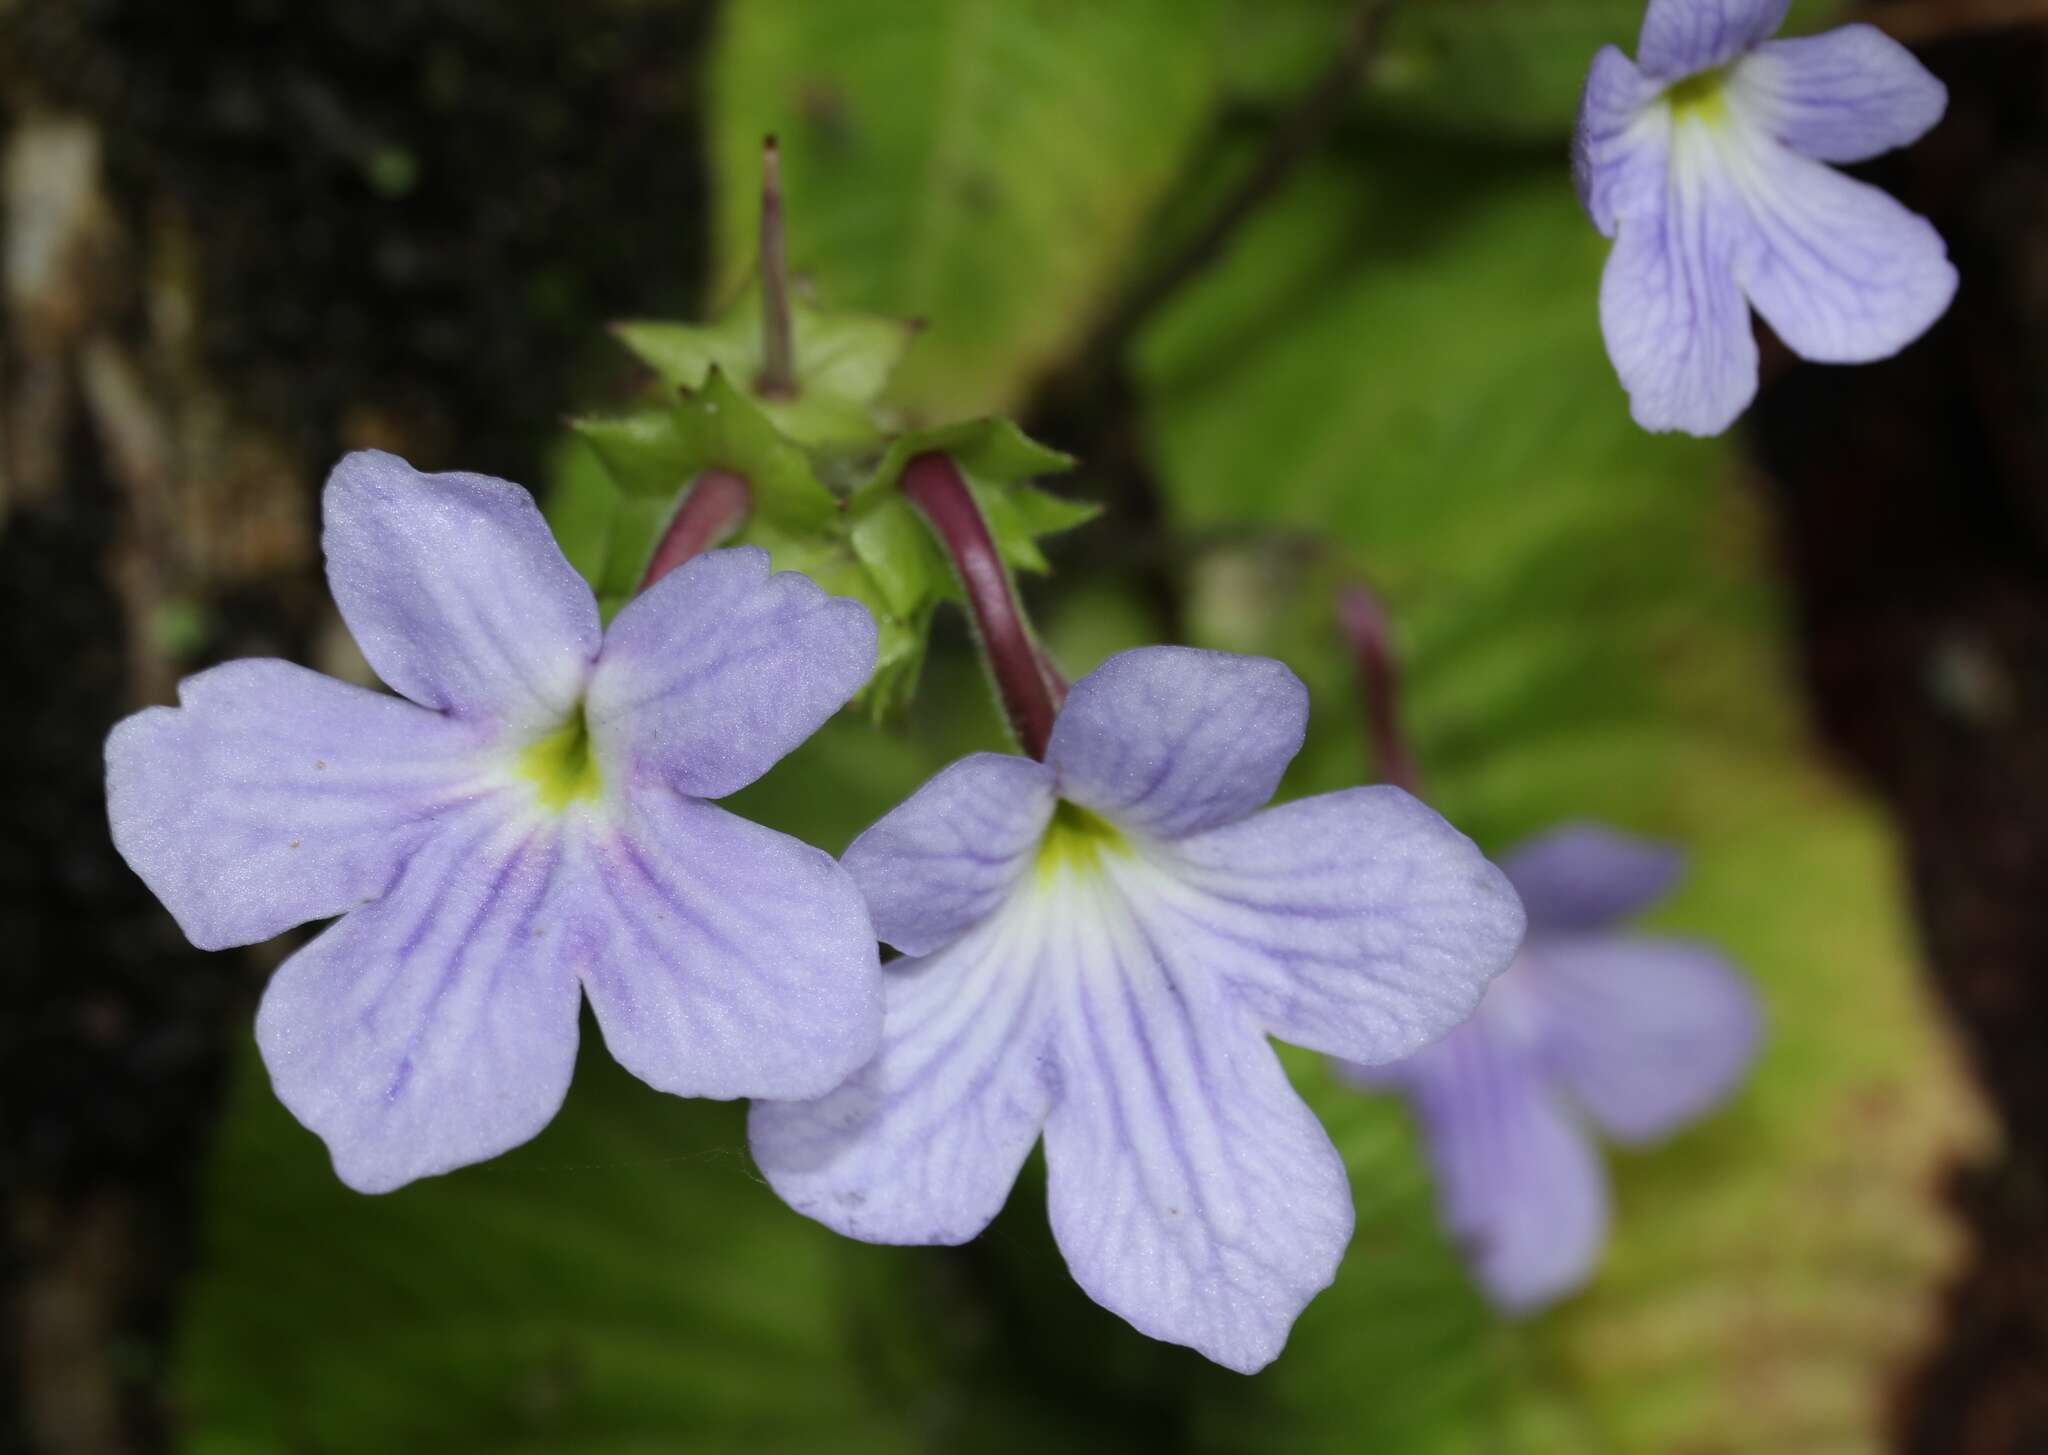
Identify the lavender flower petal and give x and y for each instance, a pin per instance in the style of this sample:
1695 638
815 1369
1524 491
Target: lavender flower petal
1618 150
437 1026
1645 1034
1173 740
923 1144
456 592
712 676
1582 876
1846 96
1357 923
726 959
272 796
1519 1186
1839 269
946 857
1190 1189
1681 37
1672 314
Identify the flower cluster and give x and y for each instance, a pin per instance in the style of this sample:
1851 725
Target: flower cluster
1099 939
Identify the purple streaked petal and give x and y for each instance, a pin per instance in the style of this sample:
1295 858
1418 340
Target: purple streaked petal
1582 876
1173 740
1617 146
1190 1189
1682 37
1645 1034
712 675
436 1027
923 1143
1673 317
1840 270
943 860
1519 1186
1357 923
456 592
1846 96
272 796
727 959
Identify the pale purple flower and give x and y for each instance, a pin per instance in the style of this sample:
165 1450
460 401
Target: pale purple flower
1635 1035
524 825
1097 947
1706 161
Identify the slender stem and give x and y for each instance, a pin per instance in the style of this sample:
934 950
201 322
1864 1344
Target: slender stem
716 506
1030 690
778 347
1379 684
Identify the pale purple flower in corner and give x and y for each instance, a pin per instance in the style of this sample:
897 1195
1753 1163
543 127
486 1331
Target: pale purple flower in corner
1706 160
1636 1035
1096 949
524 825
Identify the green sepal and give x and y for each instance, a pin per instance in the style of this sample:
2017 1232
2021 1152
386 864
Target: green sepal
658 451
843 363
988 451
618 481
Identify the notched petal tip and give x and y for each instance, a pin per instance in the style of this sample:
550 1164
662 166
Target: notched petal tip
1846 95
272 796
436 1027
456 592
1683 37
721 669
1360 923
1170 741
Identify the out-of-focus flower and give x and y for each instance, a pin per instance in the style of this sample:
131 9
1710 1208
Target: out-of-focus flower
527 818
1705 160
1097 947
1637 1035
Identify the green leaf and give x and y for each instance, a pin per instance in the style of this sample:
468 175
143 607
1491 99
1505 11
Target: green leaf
986 165
843 362
1399 371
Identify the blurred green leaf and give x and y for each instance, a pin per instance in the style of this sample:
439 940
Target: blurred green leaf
1399 370
1504 68
622 1284
984 164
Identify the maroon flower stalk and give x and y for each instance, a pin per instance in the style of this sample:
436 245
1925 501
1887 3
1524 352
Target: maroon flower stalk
1379 682
778 348
1031 691
716 506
